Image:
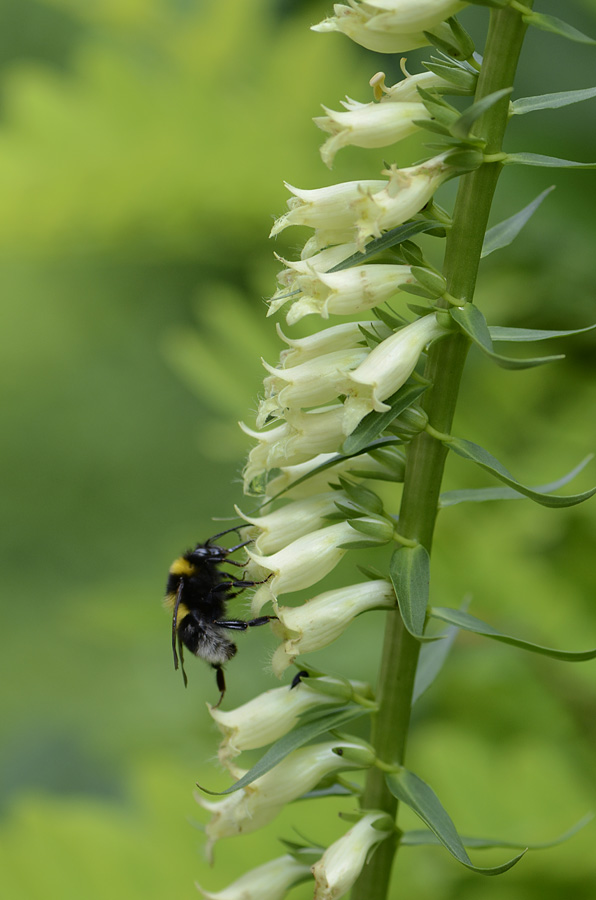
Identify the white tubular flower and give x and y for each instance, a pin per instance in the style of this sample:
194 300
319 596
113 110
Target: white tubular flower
270 881
354 22
302 563
258 458
284 525
289 474
412 15
259 803
312 383
266 718
368 125
328 208
342 862
347 292
305 434
388 367
329 340
406 90
319 262
406 193
319 621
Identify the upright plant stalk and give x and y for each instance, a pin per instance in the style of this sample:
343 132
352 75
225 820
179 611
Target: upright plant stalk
426 456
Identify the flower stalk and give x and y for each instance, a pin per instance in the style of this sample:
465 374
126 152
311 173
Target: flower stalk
426 456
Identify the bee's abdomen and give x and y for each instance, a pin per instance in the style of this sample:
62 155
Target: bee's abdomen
205 640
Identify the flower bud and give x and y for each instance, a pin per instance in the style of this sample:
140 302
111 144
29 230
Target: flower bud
321 620
302 563
411 422
342 862
362 754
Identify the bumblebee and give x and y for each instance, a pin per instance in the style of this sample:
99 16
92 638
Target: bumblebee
197 592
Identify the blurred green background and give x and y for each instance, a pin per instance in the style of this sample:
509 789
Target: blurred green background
143 145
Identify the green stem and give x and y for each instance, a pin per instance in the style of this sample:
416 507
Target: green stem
426 456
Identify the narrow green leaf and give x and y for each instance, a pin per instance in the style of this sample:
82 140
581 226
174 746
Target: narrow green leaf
537 159
416 794
390 239
551 101
481 495
471 623
505 232
301 735
430 662
557 26
499 333
495 3
431 125
410 574
375 423
486 460
473 323
418 838
462 127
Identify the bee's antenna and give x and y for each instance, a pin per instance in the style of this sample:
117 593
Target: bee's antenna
221 534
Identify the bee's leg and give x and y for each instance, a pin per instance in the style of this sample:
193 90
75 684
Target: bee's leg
181 652
221 683
242 624
297 679
233 583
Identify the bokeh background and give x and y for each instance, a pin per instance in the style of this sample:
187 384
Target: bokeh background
143 145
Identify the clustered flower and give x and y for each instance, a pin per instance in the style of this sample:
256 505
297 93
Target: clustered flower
318 504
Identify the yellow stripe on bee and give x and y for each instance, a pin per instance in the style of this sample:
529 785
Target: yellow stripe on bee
169 601
182 566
